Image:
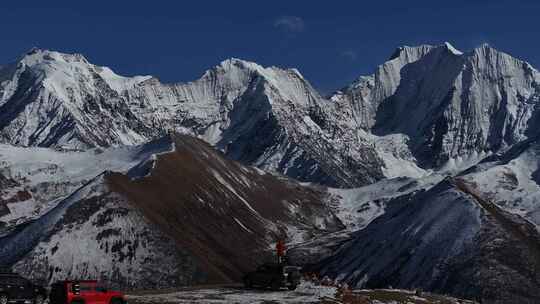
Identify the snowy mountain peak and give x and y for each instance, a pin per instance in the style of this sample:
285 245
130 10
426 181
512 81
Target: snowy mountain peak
40 56
452 49
484 45
501 64
234 64
236 75
50 98
62 67
485 48
410 53
413 53
497 57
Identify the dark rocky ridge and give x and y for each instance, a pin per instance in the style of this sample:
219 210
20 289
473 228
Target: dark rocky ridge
198 198
447 241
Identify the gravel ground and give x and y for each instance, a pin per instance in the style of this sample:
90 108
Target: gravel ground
305 293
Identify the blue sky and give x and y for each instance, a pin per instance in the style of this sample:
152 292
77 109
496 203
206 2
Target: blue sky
330 42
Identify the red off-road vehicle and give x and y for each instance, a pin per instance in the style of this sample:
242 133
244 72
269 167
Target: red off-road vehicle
83 292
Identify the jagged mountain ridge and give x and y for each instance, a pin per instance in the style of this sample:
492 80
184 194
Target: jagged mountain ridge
261 116
268 117
459 106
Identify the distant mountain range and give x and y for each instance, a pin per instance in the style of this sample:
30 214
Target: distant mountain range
429 168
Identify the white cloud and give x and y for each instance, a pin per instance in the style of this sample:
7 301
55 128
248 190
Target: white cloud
292 24
349 55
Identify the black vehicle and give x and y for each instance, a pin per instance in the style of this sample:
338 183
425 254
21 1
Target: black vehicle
274 276
16 289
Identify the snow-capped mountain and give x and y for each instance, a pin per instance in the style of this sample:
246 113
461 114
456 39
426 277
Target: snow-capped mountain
459 106
444 144
53 99
456 105
268 117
